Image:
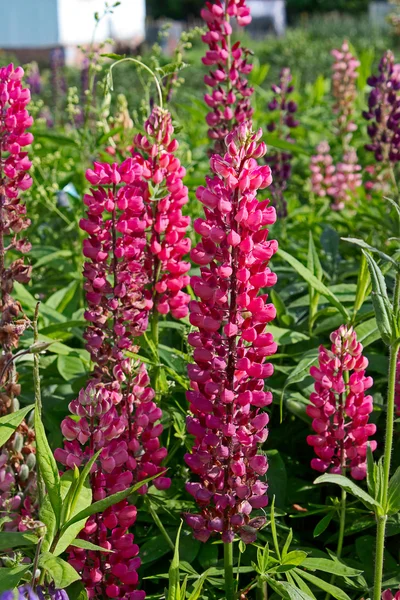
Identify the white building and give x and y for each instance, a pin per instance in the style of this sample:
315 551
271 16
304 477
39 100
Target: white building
39 25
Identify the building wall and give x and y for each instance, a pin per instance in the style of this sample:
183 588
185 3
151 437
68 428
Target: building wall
76 21
28 24
49 23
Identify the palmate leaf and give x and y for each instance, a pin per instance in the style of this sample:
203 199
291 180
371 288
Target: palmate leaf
380 300
48 467
352 488
333 590
312 280
61 572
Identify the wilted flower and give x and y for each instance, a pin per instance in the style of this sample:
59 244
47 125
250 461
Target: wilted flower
339 407
232 344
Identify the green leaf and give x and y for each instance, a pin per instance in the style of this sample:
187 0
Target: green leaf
101 505
78 543
382 306
393 502
9 423
368 332
173 573
278 142
83 501
296 557
61 572
324 585
350 487
70 367
286 336
366 246
363 283
287 591
198 586
77 591
323 524
10 577
15 539
314 282
330 566
287 543
48 467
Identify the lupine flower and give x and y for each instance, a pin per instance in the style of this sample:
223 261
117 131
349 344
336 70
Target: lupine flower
283 122
231 343
24 592
17 469
339 407
34 79
340 181
124 421
229 98
116 412
168 243
51 593
344 90
387 595
383 112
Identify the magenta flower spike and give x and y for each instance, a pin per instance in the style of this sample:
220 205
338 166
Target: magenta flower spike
167 241
116 413
229 98
17 459
344 90
231 343
339 407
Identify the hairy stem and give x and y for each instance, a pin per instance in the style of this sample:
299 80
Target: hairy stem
387 456
38 398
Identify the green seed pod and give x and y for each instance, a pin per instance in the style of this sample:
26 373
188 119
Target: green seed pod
18 442
24 472
31 461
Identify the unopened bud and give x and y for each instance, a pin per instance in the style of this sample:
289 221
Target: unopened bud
24 472
31 461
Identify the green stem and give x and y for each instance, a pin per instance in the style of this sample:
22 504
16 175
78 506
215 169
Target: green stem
261 590
38 397
228 566
155 339
387 456
342 528
380 549
140 63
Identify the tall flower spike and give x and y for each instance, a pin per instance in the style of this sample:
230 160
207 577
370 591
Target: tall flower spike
165 196
231 344
116 412
383 112
339 407
18 458
229 99
283 121
344 90
339 181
